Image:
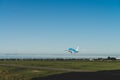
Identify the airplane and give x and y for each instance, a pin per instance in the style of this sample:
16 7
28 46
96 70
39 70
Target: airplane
72 50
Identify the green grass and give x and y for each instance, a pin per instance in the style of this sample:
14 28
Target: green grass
17 73
81 65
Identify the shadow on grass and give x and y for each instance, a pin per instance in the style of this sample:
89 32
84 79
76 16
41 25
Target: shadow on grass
99 75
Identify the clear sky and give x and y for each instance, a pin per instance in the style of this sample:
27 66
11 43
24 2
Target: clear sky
51 26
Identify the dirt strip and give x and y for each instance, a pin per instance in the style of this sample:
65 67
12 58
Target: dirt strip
45 68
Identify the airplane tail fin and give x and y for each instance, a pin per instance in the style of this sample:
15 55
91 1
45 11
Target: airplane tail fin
77 48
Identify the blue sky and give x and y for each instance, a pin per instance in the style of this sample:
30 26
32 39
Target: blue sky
51 26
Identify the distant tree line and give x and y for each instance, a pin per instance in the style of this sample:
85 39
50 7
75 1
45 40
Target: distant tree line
111 58
62 59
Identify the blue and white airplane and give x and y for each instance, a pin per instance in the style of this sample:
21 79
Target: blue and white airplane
72 50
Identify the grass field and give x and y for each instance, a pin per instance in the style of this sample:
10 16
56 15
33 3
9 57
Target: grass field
18 73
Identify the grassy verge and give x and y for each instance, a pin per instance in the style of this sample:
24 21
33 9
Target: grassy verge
15 73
